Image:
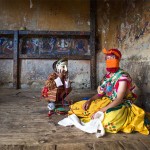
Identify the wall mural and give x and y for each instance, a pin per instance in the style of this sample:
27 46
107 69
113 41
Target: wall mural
54 46
50 46
6 45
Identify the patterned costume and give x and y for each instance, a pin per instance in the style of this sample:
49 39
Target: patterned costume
57 88
125 117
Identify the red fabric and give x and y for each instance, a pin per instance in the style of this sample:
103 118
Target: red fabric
112 70
49 95
114 51
117 84
45 92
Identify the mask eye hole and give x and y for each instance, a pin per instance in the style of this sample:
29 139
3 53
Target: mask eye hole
108 57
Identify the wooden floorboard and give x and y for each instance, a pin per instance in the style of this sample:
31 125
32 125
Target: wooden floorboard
24 125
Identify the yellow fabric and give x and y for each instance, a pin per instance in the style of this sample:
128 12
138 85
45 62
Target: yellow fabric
123 118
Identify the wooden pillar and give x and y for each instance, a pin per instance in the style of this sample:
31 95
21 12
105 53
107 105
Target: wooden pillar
92 42
16 61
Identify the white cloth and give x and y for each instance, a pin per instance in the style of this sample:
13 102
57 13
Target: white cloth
58 82
93 126
67 83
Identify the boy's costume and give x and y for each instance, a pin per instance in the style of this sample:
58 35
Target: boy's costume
57 86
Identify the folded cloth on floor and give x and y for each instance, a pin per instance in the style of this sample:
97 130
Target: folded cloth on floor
93 126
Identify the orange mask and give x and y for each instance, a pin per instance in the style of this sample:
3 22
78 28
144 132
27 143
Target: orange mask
112 63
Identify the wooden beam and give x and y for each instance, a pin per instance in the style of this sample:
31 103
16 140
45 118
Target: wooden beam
6 56
6 32
42 56
92 42
55 33
16 61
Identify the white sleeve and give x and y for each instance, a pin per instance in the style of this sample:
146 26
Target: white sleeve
67 83
58 82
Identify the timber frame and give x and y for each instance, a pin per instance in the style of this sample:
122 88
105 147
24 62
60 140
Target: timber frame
16 34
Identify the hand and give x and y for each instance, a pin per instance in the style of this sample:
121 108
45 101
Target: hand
86 105
92 117
61 74
103 109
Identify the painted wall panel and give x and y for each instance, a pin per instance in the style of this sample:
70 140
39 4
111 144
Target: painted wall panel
35 72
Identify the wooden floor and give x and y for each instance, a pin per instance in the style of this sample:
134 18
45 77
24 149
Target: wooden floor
24 125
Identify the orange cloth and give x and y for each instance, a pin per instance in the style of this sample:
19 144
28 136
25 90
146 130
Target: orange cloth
112 63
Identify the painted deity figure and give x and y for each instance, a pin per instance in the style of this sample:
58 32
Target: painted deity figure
80 46
2 43
62 44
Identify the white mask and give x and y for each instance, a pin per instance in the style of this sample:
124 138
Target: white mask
62 66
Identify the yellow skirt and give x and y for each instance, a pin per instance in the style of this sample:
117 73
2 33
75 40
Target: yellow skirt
125 117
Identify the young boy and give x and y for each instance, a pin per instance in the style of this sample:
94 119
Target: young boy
57 87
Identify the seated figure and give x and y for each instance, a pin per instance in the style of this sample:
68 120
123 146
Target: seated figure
115 99
57 87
